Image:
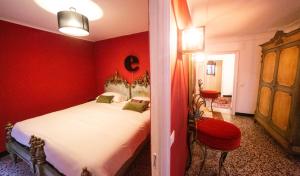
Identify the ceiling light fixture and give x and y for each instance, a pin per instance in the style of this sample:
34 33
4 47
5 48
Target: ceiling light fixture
73 23
193 38
87 8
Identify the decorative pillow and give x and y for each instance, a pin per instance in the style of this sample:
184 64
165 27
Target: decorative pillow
141 101
117 97
145 100
142 98
104 99
135 106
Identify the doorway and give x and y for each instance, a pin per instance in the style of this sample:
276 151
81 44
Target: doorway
218 72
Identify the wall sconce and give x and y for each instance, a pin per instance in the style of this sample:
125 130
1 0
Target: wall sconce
193 39
211 68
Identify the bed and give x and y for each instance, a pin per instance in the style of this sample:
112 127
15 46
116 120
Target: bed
87 139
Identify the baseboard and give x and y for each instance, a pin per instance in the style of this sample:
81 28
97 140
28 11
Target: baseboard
227 95
3 154
244 114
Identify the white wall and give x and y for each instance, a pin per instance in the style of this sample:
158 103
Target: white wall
210 82
227 74
159 29
173 42
200 74
249 55
249 62
213 82
227 81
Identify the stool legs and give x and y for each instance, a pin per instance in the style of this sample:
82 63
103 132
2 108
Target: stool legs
221 162
14 158
211 108
204 158
190 143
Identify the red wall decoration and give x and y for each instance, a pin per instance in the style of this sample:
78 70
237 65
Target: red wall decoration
41 72
110 55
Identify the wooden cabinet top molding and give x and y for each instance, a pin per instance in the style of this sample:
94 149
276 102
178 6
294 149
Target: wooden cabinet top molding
282 38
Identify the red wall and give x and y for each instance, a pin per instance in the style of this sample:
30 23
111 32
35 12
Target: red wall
179 93
41 72
182 13
179 112
110 55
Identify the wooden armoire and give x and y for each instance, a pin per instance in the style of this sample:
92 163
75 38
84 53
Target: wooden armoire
278 104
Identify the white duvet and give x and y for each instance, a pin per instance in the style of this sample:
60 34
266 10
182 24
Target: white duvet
101 137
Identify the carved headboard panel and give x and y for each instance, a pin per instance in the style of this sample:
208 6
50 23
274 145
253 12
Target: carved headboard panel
141 86
117 84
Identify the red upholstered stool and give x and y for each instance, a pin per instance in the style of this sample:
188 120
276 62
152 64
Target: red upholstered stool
210 94
218 135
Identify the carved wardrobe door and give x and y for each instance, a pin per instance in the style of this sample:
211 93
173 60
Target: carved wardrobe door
278 103
284 89
266 84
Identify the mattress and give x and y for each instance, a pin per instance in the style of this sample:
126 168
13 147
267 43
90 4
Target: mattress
101 137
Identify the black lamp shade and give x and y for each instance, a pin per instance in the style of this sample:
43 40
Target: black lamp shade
73 23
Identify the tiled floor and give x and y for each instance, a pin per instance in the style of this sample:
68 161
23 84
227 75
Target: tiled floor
222 102
258 155
140 167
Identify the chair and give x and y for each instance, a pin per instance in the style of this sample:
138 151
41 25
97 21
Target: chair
195 113
217 135
211 133
208 94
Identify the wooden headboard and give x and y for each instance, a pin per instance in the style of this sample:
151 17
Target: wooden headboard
141 86
118 84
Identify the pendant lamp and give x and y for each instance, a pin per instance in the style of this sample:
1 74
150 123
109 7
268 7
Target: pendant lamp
73 23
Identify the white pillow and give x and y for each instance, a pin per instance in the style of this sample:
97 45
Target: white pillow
117 97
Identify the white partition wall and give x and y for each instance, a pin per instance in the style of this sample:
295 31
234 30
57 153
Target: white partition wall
159 19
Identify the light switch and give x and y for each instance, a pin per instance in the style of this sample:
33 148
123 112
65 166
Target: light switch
154 160
172 138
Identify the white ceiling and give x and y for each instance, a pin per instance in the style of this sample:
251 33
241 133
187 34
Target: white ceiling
224 18
121 17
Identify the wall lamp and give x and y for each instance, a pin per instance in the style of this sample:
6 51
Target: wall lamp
193 40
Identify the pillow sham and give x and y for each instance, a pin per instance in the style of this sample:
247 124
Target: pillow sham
141 101
136 106
117 97
104 99
142 98
146 100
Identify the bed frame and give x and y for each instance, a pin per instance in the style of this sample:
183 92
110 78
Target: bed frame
35 156
141 86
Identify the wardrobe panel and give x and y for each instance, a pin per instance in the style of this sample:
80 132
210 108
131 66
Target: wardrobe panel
281 109
269 67
288 64
264 101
